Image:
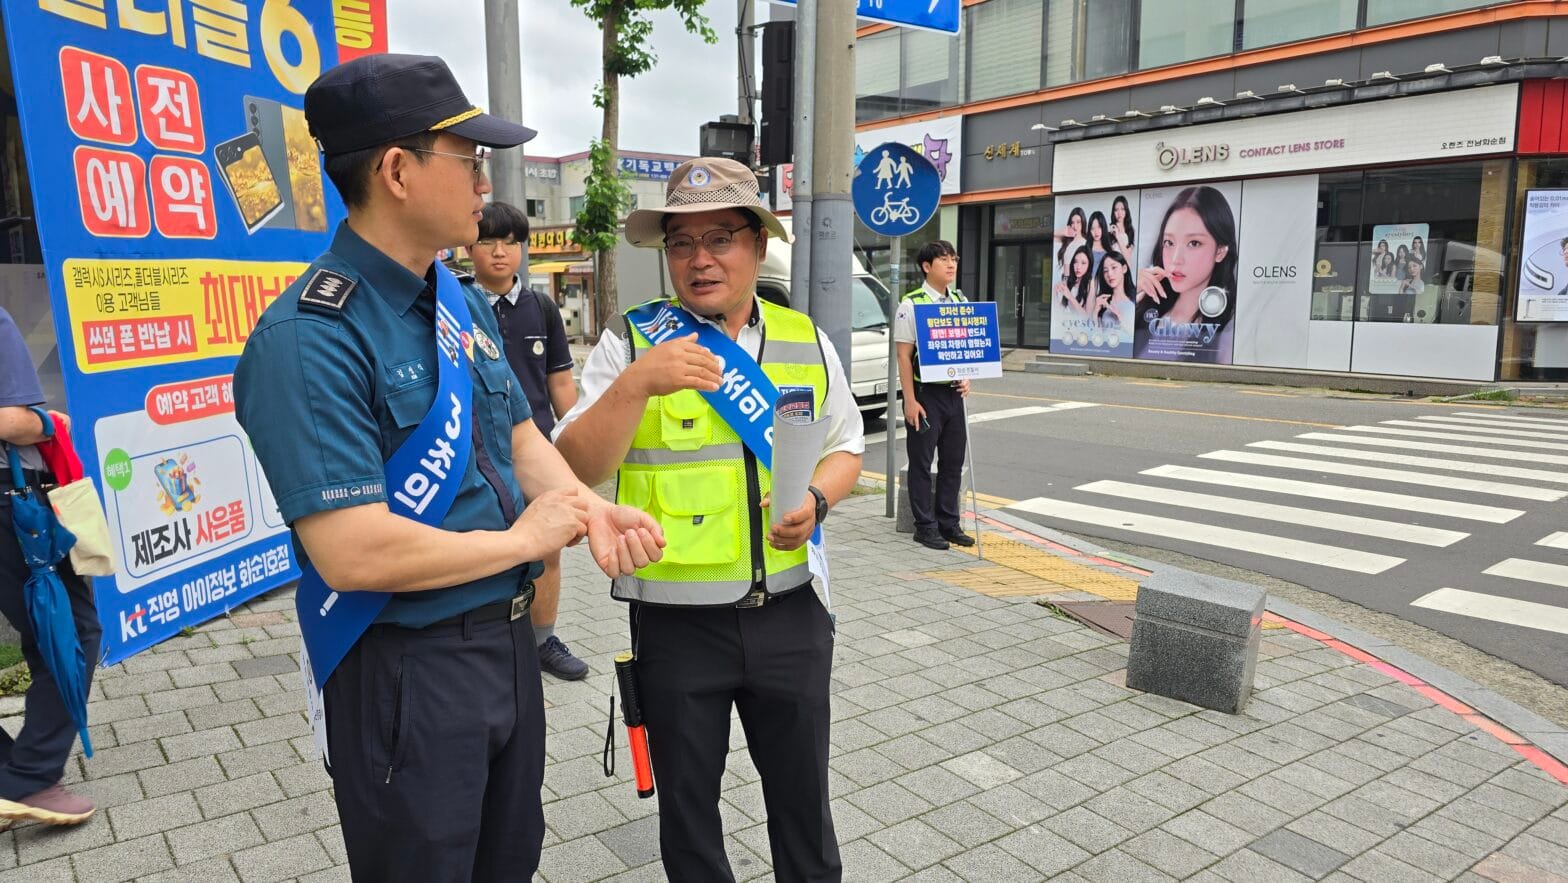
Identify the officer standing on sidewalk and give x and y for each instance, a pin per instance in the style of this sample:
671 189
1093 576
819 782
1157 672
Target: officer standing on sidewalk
729 617
400 450
534 340
933 412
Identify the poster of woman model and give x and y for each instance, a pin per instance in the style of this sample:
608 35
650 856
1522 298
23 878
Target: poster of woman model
1187 283
1093 281
1398 258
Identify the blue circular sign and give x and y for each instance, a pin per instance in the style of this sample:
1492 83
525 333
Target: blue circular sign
896 190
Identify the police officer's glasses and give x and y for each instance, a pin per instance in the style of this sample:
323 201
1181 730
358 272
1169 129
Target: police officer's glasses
715 242
476 160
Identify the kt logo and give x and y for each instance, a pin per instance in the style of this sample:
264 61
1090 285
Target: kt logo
133 625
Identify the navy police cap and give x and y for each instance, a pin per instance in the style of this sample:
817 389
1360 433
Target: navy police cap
378 99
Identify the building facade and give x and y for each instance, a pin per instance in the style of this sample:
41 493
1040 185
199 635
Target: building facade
1355 186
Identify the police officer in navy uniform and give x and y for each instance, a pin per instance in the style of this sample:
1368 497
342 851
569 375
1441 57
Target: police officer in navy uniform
934 424
434 717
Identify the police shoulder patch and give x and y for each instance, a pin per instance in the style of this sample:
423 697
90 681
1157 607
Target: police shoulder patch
327 291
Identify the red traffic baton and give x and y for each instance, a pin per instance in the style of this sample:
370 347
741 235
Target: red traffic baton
636 732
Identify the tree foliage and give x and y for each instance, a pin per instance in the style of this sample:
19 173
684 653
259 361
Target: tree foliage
626 51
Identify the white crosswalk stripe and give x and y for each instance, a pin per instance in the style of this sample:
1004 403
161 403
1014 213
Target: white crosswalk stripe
1428 462
1372 527
1461 424
1400 476
1465 465
1210 535
1381 499
1494 415
1457 436
1497 608
1372 441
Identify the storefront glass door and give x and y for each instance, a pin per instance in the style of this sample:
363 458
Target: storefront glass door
1018 280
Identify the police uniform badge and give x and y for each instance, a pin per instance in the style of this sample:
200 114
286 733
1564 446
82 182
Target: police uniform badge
486 345
327 291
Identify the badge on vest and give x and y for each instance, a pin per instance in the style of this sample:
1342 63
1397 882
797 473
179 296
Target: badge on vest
327 290
486 345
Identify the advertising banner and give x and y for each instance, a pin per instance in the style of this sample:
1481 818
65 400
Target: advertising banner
1187 281
939 140
184 193
1094 282
1543 284
958 341
1398 258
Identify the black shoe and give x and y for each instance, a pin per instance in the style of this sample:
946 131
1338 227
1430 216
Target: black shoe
930 539
559 661
957 537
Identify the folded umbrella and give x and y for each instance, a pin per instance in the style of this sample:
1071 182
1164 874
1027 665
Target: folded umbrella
44 544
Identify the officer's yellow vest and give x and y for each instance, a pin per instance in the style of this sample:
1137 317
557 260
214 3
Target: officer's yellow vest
690 471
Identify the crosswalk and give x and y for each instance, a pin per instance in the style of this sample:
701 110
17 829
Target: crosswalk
1357 499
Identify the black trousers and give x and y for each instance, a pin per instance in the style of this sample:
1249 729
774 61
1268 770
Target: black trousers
772 663
35 758
436 739
946 437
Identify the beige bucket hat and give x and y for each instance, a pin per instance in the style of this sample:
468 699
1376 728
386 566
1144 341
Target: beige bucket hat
704 184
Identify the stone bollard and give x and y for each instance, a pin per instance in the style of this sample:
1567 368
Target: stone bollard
1195 638
904 521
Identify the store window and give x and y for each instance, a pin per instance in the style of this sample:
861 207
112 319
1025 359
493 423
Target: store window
876 76
1006 44
577 204
1086 39
1536 350
1421 244
1384 11
933 70
1267 22
1171 31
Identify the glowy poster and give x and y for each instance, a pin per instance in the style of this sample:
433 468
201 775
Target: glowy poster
179 192
1187 278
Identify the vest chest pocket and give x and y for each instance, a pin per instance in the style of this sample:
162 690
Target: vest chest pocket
684 420
698 509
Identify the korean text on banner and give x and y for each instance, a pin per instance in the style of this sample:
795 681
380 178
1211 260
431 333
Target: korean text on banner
184 194
958 341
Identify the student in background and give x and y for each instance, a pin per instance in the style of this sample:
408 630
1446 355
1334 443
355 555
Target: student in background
534 339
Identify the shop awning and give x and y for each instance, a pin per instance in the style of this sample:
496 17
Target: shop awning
549 267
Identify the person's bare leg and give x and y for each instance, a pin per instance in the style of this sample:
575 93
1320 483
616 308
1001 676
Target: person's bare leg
554 657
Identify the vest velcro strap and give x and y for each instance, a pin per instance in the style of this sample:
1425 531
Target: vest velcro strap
663 457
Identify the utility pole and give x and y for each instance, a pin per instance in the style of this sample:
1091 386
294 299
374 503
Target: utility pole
832 209
503 56
805 113
746 38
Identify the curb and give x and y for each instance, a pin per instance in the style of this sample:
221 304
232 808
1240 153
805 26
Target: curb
1538 740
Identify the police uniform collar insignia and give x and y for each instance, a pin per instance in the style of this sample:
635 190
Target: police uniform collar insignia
486 345
327 291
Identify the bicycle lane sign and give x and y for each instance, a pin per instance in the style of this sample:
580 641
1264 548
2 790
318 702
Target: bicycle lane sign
896 190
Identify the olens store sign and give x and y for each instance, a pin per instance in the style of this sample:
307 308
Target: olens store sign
1472 122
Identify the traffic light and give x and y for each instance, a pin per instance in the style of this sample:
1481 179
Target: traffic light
778 92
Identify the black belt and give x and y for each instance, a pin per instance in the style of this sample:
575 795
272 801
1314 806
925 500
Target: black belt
512 609
35 478
760 597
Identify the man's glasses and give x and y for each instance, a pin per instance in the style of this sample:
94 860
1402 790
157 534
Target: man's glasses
716 242
476 160
491 244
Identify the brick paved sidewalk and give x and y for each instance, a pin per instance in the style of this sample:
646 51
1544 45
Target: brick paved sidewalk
975 738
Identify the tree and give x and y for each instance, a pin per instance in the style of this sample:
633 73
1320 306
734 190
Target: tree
625 52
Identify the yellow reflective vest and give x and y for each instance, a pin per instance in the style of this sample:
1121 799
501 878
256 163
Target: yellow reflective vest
691 472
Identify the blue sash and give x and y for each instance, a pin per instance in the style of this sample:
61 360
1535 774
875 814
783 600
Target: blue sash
423 477
745 397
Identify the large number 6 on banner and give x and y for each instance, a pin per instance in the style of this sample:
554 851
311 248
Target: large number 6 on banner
279 18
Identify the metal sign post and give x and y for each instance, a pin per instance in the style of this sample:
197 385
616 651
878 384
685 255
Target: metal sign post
896 192
892 371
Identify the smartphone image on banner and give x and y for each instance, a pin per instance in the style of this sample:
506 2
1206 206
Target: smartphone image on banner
291 152
249 179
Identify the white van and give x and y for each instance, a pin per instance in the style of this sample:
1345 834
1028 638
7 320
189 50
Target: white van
867 321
